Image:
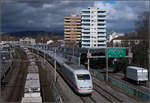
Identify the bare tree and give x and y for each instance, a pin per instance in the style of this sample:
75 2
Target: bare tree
38 38
141 50
142 25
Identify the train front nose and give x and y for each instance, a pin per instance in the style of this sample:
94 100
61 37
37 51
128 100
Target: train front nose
85 87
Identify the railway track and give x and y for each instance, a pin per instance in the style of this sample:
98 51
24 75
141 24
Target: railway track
89 99
110 97
18 86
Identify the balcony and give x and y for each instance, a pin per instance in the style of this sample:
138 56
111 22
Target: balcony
99 14
102 39
85 42
67 36
103 43
87 14
87 22
69 23
67 32
85 38
85 46
85 10
101 34
101 18
78 36
85 34
72 29
102 26
103 30
101 47
85 31
85 27
101 22
85 18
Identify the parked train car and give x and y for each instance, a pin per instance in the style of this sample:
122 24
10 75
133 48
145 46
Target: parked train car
32 91
137 74
32 85
79 79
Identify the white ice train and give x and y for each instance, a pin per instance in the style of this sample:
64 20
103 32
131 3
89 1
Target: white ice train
79 79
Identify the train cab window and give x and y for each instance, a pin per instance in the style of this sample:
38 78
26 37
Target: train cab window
83 76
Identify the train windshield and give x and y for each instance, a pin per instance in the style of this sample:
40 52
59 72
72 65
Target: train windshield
83 76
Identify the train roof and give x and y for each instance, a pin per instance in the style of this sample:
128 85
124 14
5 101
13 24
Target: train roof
33 69
32 84
31 99
32 76
136 68
76 69
32 81
31 59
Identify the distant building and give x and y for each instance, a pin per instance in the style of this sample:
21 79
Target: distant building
93 28
125 41
9 40
72 29
50 42
114 35
27 41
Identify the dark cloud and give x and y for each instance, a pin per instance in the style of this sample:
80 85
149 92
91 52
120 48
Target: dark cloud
49 15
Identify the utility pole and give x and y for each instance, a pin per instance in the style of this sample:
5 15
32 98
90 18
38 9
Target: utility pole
55 65
73 53
130 58
106 63
88 60
130 52
44 54
79 58
149 58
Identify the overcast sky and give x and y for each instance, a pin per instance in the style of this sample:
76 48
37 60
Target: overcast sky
29 15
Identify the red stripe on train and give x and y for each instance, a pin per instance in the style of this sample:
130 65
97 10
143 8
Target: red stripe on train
84 89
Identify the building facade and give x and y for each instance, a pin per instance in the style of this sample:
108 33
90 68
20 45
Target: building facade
114 35
72 29
27 41
93 28
125 41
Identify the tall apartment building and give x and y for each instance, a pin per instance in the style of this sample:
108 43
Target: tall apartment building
72 29
93 28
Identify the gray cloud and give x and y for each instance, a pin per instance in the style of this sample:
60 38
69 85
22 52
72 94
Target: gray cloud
30 15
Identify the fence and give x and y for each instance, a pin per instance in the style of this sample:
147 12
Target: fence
129 89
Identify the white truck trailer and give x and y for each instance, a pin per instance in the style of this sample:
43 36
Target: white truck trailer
137 74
